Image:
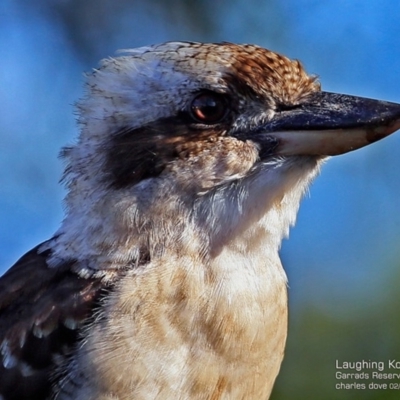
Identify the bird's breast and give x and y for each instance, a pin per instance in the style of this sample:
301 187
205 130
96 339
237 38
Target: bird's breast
181 329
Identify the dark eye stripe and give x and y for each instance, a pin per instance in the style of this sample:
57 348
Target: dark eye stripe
135 154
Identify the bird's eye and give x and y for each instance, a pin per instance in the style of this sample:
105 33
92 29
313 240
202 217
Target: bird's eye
208 107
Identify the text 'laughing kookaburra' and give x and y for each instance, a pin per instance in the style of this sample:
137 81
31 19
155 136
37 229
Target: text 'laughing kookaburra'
164 279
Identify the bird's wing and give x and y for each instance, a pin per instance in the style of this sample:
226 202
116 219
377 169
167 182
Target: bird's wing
41 310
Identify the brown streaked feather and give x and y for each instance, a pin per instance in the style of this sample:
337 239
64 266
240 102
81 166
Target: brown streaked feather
41 311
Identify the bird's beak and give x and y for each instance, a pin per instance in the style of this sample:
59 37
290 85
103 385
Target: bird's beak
331 124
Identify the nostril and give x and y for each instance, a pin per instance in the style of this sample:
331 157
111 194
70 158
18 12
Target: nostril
286 107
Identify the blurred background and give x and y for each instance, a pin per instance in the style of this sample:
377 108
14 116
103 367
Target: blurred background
343 256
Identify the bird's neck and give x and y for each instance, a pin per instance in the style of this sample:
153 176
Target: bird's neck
123 227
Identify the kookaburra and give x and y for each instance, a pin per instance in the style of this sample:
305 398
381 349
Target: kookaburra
164 279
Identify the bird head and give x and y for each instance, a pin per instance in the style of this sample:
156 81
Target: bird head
219 136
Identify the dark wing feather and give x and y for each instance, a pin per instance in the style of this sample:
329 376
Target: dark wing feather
41 311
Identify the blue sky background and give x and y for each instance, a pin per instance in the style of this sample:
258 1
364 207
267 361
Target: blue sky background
345 247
